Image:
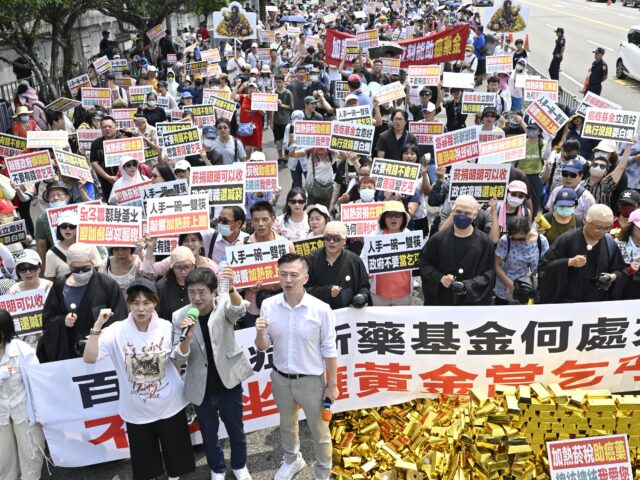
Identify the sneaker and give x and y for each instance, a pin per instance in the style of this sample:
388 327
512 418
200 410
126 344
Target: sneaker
288 470
242 474
173 478
217 476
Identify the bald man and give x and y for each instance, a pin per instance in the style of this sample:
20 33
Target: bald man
457 265
583 264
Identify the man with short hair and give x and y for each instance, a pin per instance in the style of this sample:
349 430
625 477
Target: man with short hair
228 233
558 52
301 330
310 104
457 264
598 73
282 117
572 173
106 175
583 264
231 149
298 88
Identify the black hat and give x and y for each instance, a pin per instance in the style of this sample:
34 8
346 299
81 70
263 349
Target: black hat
629 196
142 283
22 88
599 50
490 111
560 29
55 185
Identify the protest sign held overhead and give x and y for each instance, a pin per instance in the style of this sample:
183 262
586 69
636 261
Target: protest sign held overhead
261 177
234 22
509 149
72 165
547 115
349 137
223 184
11 145
426 132
607 124
109 226
170 216
458 146
14 232
359 114
183 142
392 252
29 167
256 262
309 134
116 149
395 176
360 218
482 182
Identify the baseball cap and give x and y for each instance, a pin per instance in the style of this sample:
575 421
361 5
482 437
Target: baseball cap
209 131
566 197
428 107
518 186
321 208
152 68
257 157
350 97
27 256
630 197
354 77
608 146
559 29
254 45
572 165
141 283
599 50
186 95
69 216
182 165
635 218
310 99
490 111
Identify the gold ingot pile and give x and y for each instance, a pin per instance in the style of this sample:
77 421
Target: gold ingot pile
477 438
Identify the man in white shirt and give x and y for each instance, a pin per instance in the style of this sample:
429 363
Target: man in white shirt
301 330
227 234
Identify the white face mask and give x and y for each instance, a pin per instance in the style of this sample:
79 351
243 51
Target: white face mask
514 201
597 172
519 68
367 194
224 230
314 78
82 277
209 143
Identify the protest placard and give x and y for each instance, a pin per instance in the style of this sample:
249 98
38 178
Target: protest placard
37 139
256 262
130 196
457 146
138 94
182 143
389 93
14 232
171 216
367 39
264 54
125 82
124 117
202 114
11 145
76 83
359 114
222 106
533 88
508 149
360 218
521 79
213 70
312 134
163 102
395 176
150 154
596 101
86 137
175 115
72 165
207 93
26 310
476 102
267 102
392 252
390 66
196 68
499 63
482 182
341 91
351 137
174 188
63 104
165 245
163 128
489 136
211 55
425 132
102 65
109 225
261 177
458 80
607 124
119 65
172 58
267 36
54 213
115 149
29 167
224 184
427 75
547 115
308 245
330 18
156 33
92 97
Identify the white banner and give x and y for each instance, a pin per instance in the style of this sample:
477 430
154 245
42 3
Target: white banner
386 356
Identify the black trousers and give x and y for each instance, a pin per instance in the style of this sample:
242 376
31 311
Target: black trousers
554 68
163 444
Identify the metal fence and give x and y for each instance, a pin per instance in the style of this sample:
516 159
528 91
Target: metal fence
565 99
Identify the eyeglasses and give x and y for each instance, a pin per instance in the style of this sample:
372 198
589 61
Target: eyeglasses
183 268
223 127
80 269
27 268
394 215
225 221
569 174
332 238
299 202
130 165
67 226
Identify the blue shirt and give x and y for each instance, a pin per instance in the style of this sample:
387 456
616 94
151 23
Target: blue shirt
598 73
478 43
516 264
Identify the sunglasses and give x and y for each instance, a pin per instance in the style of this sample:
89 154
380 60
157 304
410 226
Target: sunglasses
569 174
27 268
601 166
80 269
67 226
299 202
130 165
332 238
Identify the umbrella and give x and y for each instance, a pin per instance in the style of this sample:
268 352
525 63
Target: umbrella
293 19
385 49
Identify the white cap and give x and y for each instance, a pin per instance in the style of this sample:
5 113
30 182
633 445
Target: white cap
27 256
182 165
257 157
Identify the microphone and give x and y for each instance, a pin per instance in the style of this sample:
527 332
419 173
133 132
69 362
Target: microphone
194 313
73 309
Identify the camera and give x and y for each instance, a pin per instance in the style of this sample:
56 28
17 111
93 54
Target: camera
524 289
359 300
603 281
458 288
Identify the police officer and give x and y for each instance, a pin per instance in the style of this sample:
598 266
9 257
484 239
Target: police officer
558 51
598 73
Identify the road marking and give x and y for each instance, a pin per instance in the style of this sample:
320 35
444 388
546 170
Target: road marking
598 22
599 45
552 27
572 79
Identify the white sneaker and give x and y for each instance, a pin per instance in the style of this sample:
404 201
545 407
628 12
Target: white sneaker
174 478
288 470
217 476
242 474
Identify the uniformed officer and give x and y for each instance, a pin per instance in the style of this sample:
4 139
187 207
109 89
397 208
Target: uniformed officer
598 73
558 52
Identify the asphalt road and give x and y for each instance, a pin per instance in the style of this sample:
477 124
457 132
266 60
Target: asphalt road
587 25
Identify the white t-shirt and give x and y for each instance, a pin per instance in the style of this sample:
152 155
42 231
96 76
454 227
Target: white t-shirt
291 230
150 385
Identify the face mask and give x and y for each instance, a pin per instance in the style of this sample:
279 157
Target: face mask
367 194
59 203
24 118
252 79
152 104
626 209
209 143
224 230
170 79
565 211
82 277
597 172
462 221
514 201
519 68
314 78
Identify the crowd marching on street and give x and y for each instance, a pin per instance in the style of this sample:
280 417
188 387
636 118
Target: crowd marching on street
132 210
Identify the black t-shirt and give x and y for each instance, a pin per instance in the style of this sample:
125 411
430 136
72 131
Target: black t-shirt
392 146
214 382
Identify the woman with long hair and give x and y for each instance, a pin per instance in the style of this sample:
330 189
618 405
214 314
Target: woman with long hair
293 224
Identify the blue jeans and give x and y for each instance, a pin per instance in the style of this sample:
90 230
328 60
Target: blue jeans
296 176
229 406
